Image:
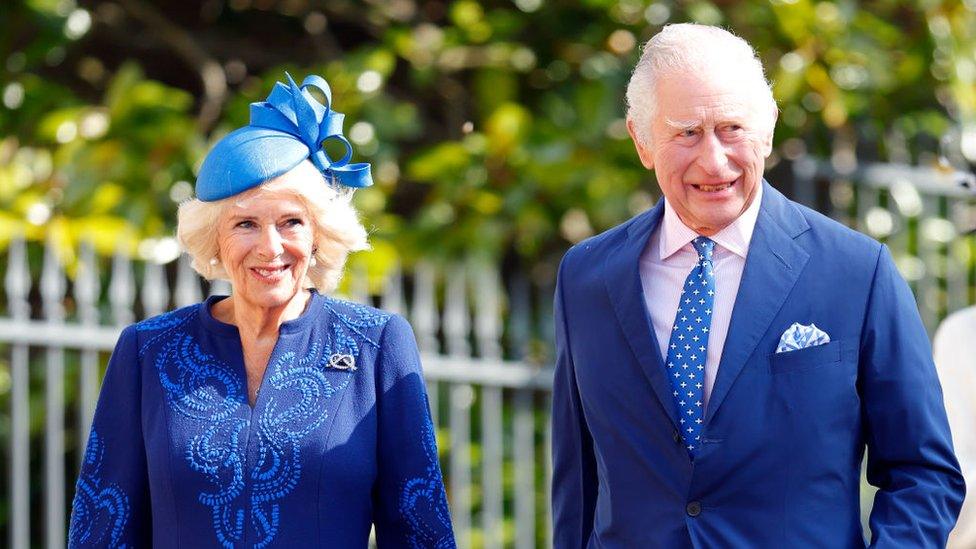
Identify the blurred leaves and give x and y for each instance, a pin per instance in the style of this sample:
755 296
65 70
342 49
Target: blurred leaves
494 128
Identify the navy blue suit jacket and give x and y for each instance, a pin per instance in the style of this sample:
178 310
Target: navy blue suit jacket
784 434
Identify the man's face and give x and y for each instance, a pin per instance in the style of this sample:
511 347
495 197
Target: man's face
710 136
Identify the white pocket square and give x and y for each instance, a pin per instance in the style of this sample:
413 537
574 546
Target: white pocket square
799 336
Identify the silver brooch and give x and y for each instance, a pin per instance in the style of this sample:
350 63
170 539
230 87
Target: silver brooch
341 361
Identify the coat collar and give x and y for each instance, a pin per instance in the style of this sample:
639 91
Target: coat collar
772 267
622 280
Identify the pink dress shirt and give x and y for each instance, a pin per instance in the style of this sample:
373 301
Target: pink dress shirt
668 258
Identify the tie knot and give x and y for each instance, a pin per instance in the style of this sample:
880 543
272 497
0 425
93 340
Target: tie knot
704 246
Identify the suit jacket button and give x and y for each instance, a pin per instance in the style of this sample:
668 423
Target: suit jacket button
676 436
693 509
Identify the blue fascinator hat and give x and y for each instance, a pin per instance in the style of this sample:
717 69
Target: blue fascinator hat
288 127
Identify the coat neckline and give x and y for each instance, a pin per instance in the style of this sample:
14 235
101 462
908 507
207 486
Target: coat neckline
313 309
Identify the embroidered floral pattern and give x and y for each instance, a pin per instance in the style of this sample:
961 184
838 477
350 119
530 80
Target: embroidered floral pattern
352 328
202 388
281 429
163 324
423 504
98 513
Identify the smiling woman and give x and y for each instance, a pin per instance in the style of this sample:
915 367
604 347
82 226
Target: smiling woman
276 416
330 219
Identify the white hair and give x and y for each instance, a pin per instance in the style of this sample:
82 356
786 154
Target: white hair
689 47
336 230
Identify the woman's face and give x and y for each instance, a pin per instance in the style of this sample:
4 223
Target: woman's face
265 243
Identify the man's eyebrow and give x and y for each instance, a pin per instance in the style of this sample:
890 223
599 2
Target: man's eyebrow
726 115
682 124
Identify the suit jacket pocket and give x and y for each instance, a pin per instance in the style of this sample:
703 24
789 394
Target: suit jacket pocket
805 359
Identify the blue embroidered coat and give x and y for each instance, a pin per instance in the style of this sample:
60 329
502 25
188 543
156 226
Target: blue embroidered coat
340 438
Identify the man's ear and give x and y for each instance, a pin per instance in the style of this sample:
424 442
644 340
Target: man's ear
767 143
645 154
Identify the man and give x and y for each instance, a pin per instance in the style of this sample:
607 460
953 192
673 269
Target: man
954 349
724 359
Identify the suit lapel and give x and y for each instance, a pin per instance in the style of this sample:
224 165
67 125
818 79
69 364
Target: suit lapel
773 265
623 283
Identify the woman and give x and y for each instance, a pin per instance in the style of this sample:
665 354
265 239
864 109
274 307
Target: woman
277 416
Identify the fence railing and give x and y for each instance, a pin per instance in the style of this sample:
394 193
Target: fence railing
922 213
475 331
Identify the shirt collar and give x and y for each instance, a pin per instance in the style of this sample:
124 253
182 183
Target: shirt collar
735 237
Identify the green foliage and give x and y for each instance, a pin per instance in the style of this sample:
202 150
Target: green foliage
494 128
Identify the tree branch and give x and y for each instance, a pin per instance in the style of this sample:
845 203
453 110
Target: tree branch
188 49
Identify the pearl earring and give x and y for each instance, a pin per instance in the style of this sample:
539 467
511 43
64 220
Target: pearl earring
313 262
214 261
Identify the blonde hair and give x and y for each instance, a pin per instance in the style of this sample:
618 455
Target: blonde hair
690 47
336 230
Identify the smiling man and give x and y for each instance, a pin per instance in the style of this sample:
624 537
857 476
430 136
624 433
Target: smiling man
725 359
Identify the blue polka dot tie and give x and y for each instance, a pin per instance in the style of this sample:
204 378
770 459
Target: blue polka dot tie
689 344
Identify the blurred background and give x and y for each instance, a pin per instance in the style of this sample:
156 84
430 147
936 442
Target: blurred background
496 134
